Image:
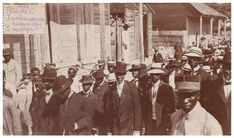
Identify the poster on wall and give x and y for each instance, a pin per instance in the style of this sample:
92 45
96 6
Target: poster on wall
24 19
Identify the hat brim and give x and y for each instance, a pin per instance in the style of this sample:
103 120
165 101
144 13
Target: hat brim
134 69
193 55
178 91
89 81
122 72
64 88
156 71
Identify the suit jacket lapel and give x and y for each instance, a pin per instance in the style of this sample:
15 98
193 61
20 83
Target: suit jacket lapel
124 93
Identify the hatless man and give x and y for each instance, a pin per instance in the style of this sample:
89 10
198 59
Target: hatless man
192 118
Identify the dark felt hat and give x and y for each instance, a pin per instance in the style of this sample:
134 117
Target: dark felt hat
61 83
86 79
135 67
99 74
120 67
49 74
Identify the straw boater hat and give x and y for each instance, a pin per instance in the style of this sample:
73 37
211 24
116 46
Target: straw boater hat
187 84
111 63
61 83
121 67
194 52
135 67
86 79
156 68
184 58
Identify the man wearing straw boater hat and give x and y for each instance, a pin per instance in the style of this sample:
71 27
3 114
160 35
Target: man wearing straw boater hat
11 67
79 110
126 116
159 104
192 118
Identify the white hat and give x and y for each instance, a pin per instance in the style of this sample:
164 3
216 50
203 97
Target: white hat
186 67
194 52
156 68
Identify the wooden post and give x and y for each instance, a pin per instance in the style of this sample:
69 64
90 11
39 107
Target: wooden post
102 30
211 27
187 29
219 26
141 33
49 31
225 29
200 25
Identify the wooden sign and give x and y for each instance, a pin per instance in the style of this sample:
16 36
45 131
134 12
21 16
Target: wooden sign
24 19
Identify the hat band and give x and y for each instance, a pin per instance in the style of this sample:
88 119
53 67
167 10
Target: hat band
195 51
188 85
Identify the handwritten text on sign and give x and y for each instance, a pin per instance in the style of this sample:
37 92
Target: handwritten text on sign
24 19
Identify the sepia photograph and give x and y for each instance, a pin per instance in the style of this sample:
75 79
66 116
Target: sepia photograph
135 69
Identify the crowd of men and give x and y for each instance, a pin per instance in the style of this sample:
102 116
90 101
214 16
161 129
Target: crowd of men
189 95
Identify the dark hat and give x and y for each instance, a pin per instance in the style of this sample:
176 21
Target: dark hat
101 62
99 74
86 79
6 51
135 67
187 84
207 52
74 68
126 25
50 65
49 74
174 63
143 66
120 67
61 83
142 73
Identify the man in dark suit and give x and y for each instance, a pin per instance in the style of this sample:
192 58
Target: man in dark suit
76 114
126 119
135 71
157 56
101 89
159 104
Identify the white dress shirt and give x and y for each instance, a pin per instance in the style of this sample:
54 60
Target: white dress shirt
49 93
154 92
197 122
120 88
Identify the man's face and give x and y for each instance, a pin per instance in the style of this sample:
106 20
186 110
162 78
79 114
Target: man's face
35 72
102 67
7 58
86 86
155 77
193 61
48 85
135 73
111 69
71 73
98 80
187 101
120 77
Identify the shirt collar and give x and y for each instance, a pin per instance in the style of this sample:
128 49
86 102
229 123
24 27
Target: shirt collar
120 86
71 92
49 92
196 68
194 112
156 84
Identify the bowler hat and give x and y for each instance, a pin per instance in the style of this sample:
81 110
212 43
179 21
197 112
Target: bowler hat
120 67
86 79
99 74
135 67
50 65
49 74
61 83
6 51
187 83
101 62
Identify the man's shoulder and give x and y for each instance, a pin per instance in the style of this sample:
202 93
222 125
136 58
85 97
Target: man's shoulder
176 115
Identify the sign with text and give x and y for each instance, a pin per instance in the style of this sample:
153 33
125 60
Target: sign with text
24 19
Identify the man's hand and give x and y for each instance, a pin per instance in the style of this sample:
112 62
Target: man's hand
136 133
